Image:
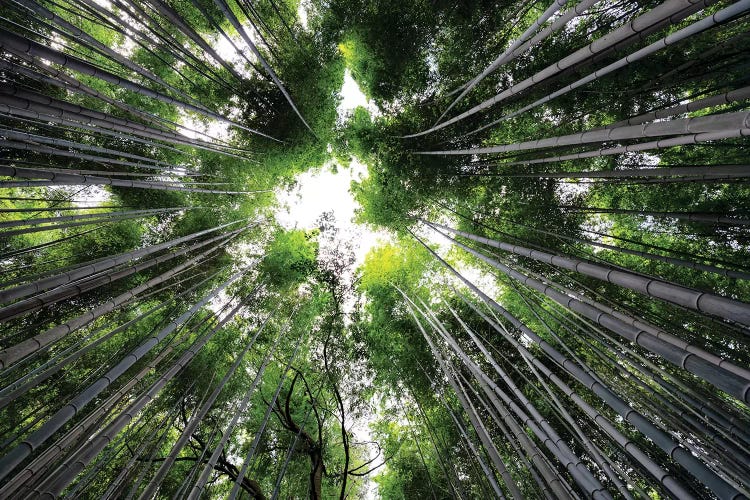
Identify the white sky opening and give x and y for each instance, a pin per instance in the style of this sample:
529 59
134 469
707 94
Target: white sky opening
353 97
201 128
302 12
85 196
327 189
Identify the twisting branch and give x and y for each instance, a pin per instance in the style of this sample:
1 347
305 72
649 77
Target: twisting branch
223 466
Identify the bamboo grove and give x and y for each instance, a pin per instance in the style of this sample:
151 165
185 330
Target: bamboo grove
561 309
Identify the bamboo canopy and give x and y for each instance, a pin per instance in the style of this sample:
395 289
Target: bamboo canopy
542 291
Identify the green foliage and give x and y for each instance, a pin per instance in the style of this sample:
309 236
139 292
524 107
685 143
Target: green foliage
382 43
291 258
362 357
394 346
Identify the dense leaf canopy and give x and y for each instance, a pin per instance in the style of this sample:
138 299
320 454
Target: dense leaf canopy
557 305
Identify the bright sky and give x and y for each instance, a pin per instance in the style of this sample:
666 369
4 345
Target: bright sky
302 9
352 97
323 190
